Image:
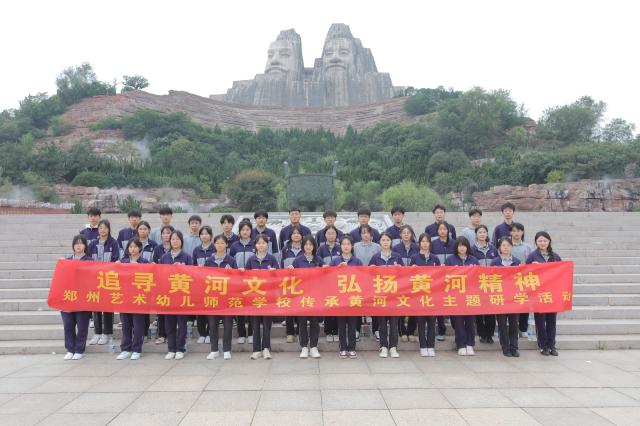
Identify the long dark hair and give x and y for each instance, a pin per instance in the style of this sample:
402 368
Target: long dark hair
423 236
80 239
446 225
488 240
546 235
309 238
179 235
462 241
106 223
403 227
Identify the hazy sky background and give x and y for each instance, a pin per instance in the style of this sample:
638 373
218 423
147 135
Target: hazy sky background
545 52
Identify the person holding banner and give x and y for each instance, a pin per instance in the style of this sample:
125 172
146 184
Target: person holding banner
220 259
545 322
227 221
485 252
388 336
158 252
125 234
133 325
329 217
76 323
241 251
291 249
308 339
364 249
176 342
508 332
347 324
328 251
406 248
442 246
200 254
464 325
261 260
148 245
521 250
261 217
426 337
397 215
103 249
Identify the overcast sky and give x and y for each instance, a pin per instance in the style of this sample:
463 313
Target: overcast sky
545 52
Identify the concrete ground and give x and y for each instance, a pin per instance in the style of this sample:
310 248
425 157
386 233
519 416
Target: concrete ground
577 388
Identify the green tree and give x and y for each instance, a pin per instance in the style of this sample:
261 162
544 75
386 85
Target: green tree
253 189
133 82
425 101
443 161
617 131
39 109
411 196
568 124
124 153
77 83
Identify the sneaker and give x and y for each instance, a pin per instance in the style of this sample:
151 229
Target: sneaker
135 356
77 356
226 355
413 338
470 351
329 338
357 336
213 355
404 338
304 353
250 340
170 355
342 354
424 352
160 340
384 352
68 356
256 355
290 338
284 323
266 353
124 355
200 339
102 339
353 354
483 340
462 351
524 334
490 340
432 352
179 355
394 353
545 352
315 353
553 352
507 354
94 339
241 340
377 334
207 340
440 337
516 354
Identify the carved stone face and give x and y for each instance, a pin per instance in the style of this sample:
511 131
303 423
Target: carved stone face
337 55
280 58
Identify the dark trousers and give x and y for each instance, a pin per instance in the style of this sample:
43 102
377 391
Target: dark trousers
162 331
374 324
265 342
465 328
508 332
132 332
330 325
76 328
347 333
242 327
427 338
103 322
442 328
309 338
176 341
290 323
408 325
523 322
359 324
388 337
203 325
147 324
227 331
546 330
486 325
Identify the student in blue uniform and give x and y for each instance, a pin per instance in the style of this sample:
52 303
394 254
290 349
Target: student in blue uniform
220 259
200 254
521 250
475 218
426 335
388 335
507 323
76 323
439 212
364 251
364 216
442 245
308 338
347 324
143 231
158 252
545 322
406 248
464 325
328 251
397 215
166 216
285 233
261 217
90 232
262 259
227 221
192 239
133 325
104 249
485 252
504 229
241 251
176 341
329 217
125 234
291 249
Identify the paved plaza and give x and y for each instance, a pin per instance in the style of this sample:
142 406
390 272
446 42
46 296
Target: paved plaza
577 388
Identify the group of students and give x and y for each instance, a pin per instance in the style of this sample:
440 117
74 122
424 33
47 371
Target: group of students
258 247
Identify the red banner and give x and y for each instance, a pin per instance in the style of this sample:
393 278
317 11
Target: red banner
334 291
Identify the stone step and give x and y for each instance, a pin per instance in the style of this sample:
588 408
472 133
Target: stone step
602 312
27 273
598 326
33 257
606 278
30 317
24 293
606 288
26 264
18 283
10 305
606 299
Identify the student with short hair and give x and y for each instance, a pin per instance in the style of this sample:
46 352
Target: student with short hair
442 246
103 249
125 234
507 323
504 229
192 240
545 322
397 215
166 215
407 248
227 221
364 216
329 217
475 218
485 252
426 335
365 248
347 324
521 251
220 259
262 259
176 341
328 251
261 217
158 252
289 252
285 233
464 325
439 212
241 251
200 255
90 232
143 231
76 323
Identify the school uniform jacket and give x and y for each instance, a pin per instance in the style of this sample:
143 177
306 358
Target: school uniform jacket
200 255
242 252
321 239
182 257
406 253
420 259
289 254
536 257
353 261
329 253
271 236
111 251
268 262
484 254
432 230
456 261
355 234
393 260
148 248
227 262
285 234
498 261
302 262
443 250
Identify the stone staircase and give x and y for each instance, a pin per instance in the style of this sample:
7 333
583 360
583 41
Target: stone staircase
604 247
